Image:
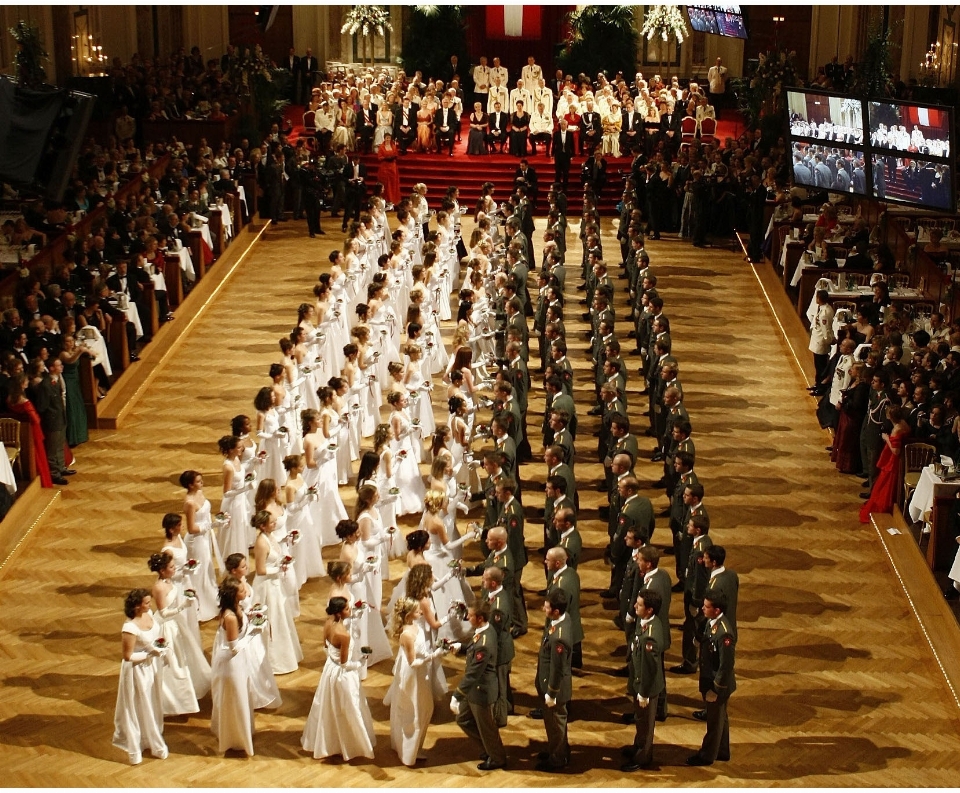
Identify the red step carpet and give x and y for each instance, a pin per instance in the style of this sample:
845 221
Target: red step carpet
440 171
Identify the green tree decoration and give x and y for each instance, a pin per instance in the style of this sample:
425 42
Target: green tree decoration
431 35
601 39
30 55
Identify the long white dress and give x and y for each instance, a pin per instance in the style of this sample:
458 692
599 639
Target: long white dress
235 536
265 692
387 507
232 716
307 559
410 698
138 718
274 443
283 645
366 624
439 558
405 468
186 678
339 720
420 407
328 509
203 548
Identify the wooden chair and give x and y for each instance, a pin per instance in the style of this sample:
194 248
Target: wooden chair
922 310
845 305
708 130
859 279
10 436
916 457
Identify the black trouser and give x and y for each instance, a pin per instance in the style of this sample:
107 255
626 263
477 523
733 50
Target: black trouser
820 363
312 209
716 742
351 206
445 140
404 139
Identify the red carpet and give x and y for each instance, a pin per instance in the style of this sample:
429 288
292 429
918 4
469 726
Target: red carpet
440 171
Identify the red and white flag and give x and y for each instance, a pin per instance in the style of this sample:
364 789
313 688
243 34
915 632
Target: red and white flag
513 22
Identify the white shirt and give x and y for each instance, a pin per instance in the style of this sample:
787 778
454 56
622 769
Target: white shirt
481 78
717 77
497 93
531 74
715 572
501 72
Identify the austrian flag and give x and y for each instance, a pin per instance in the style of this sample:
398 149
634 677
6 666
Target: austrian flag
513 22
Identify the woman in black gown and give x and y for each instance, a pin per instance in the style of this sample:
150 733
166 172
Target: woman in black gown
519 129
479 126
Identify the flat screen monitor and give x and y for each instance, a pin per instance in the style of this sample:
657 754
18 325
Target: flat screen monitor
912 180
829 167
909 127
702 19
730 25
824 117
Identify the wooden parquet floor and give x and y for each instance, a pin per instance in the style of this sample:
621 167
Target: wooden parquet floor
836 684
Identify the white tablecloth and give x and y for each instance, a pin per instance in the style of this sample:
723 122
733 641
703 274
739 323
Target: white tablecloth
227 221
928 488
186 263
6 472
91 339
243 198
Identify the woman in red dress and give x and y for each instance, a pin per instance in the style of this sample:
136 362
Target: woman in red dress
885 487
389 174
23 409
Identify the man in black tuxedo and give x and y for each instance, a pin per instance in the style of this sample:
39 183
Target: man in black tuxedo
48 398
308 74
366 125
590 129
670 129
631 131
498 128
446 122
526 177
292 65
405 125
355 177
562 153
556 84
131 284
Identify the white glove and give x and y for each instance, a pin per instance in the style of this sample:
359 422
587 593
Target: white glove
643 701
463 507
445 620
549 701
455 647
454 706
142 655
352 666
171 611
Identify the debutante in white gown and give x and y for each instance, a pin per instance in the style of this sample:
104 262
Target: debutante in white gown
265 692
283 646
454 589
138 718
274 443
410 698
406 470
232 716
328 509
366 624
186 678
307 560
339 722
420 406
235 536
204 549
387 507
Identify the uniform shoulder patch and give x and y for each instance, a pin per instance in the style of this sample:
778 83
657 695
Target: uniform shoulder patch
727 641
481 655
649 646
559 649
513 523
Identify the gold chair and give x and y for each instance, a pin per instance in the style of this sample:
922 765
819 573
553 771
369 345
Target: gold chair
845 305
916 457
10 436
922 309
898 280
858 279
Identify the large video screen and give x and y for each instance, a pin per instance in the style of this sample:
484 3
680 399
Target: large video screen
912 181
724 19
827 167
702 20
910 128
825 117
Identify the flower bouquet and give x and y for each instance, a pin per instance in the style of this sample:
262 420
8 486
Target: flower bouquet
402 454
261 456
221 519
294 537
285 563
191 565
371 560
160 644
453 564
312 490
458 609
444 644
306 369
392 530
366 650
355 407
258 619
251 476
463 487
359 606
395 491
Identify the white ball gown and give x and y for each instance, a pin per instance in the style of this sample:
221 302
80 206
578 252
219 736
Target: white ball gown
138 718
405 468
283 645
203 548
420 406
186 677
274 443
410 698
328 509
366 624
235 535
263 683
339 722
307 559
454 589
387 507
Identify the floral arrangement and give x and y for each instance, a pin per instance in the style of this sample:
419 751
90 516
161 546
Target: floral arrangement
255 63
664 21
366 18
775 72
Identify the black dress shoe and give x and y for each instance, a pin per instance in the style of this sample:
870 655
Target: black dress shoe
486 765
608 593
628 750
321 231
865 495
828 448
67 472
536 713
661 717
696 759
627 718
724 759
134 357
700 715
516 633
681 669
61 481
677 587
618 621
661 482
631 767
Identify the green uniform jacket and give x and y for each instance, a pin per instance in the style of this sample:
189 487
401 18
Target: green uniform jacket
501 559
717 656
565 471
637 512
511 517
492 517
479 683
553 662
625 445
659 582
569 581
573 545
695 583
549 510
500 622
727 582
644 665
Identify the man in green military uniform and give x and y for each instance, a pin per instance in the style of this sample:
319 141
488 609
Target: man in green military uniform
657 580
511 518
499 557
636 512
473 700
564 577
501 602
555 680
694 587
569 538
492 465
646 680
717 679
